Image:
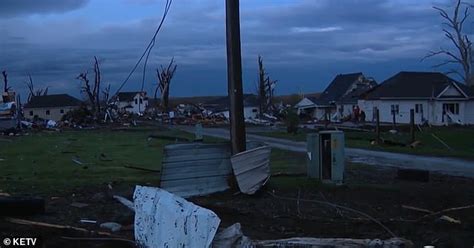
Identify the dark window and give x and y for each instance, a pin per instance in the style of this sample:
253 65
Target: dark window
61 111
419 108
451 107
395 109
47 112
254 110
136 101
31 113
141 101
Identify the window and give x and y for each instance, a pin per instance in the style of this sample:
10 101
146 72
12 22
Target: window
61 111
141 101
418 108
452 108
31 113
136 101
254 110
395 109
47 112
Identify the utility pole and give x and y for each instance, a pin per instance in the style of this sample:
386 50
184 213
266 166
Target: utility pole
234 77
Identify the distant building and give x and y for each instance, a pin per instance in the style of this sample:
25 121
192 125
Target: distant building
338 99
221 106
132 102
50 107
435 98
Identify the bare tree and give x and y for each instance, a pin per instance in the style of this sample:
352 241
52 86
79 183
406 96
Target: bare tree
92 92
6 88
164 80
265 89
32 91
453 30
106 93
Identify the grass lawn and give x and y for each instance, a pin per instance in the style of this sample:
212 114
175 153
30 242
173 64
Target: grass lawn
42 163
460 139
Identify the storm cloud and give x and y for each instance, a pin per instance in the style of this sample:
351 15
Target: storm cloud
305 43
11 8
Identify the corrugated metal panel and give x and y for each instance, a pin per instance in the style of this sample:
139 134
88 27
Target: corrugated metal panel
196 168
252 168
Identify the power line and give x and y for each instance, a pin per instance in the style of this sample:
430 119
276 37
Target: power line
147 50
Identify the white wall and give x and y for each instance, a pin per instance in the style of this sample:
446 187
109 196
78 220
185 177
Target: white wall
54 113
249 113
432 110
136 107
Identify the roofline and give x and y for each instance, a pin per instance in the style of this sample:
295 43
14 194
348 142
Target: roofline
416 98
457 87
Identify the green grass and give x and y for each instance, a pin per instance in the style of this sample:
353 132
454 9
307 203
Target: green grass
461 140
42 162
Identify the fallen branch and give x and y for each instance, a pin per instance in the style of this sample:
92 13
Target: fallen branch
333 242
141 168
442 212
338 206
43 224
417 209
127 203
441 141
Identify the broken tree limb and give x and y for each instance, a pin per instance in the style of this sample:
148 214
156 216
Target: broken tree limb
140 168
55 226
417 209
127 203
442 212
441 141
338 206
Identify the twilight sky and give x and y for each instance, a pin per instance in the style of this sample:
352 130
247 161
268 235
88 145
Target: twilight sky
305 43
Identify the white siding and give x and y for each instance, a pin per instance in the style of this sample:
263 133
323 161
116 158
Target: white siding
432 111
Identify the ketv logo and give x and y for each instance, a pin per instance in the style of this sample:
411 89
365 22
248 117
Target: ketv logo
20 242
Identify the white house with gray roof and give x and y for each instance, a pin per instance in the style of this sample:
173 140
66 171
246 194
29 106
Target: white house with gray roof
435 98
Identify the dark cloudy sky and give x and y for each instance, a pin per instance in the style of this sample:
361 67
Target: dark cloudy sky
305 43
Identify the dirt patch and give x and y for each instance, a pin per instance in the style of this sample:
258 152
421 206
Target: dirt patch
374 191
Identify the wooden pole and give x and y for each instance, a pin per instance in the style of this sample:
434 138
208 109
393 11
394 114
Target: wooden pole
377 128
234 77
412 125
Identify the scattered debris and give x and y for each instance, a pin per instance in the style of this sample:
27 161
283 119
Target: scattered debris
231 237
77 161
336 242
112 226
449 219
252 169
415 144
166 220
79 205
165 137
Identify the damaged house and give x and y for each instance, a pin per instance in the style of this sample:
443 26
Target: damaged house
435 98
221 106
132 102
338 99
50 107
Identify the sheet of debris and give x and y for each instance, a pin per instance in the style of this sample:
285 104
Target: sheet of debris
252 168
166 220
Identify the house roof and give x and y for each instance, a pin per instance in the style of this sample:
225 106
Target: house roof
59 100
128 96
415 85
345 88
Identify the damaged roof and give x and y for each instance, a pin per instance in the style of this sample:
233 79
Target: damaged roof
415 85
345 88
128 96
49 101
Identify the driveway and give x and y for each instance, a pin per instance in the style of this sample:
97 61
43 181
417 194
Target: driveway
448 166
